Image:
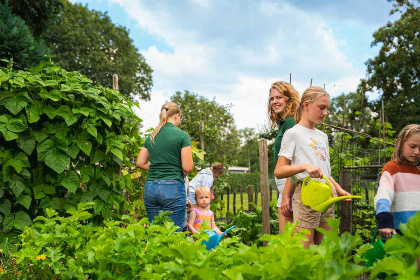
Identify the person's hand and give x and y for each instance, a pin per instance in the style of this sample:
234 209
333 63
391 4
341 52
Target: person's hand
285 207
188 204
387 232
313 171
341 192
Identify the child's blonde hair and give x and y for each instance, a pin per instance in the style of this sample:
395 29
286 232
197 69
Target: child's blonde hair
406 133
309 95
292 98
201 190
168 110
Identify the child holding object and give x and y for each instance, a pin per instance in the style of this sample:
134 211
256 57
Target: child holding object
305 151
201 216
398 196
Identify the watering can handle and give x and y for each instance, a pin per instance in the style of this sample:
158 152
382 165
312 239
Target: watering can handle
374 237
309 177
223 233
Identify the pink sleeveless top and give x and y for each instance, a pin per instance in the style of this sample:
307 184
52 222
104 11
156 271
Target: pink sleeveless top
202 217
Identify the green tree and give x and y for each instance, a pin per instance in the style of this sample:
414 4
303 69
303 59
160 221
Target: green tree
210 124
395 72
87 41
248 153
17 41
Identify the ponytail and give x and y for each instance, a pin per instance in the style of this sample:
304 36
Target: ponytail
168 110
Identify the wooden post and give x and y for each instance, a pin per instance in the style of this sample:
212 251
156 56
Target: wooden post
250 190
227 201
345 208
234 201
311 83
242 197
221 205
115 82
367 195
290 78
263 151
256 195
271 193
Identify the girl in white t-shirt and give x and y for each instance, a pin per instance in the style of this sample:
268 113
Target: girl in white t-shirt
304 151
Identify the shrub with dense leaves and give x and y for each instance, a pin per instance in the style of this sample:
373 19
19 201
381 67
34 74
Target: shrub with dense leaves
63 141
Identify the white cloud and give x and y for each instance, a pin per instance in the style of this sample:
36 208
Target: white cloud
234 50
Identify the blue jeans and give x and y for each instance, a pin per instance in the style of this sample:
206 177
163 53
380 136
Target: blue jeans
166 195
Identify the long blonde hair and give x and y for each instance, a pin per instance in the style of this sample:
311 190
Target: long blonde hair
292 102
406 133
309 95
168 110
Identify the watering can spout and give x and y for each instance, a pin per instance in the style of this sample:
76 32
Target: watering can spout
323 207
223 234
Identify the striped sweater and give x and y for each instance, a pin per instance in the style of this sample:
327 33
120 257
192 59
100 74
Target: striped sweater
398 196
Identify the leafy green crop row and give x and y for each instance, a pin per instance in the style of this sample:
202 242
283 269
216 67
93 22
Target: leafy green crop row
74 248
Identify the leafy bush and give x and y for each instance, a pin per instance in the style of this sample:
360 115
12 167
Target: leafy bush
63 141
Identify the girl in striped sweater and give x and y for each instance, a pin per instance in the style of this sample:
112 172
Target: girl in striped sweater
398 194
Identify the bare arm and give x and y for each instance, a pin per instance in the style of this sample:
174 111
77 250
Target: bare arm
143 159
286 198
187 159
285 170
338 188
213 226
191 220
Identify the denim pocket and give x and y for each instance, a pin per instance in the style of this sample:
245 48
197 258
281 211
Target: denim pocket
148 191
168 190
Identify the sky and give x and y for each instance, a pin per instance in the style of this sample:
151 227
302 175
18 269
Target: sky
231 51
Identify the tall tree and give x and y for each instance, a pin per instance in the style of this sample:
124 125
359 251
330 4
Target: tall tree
211 125
395 72
21 24
87 41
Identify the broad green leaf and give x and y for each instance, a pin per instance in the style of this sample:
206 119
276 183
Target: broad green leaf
45 203
85 146
51 83
34 111
43 148
26 144
15 104
50 112
73 151
57 161
16 125
107 121
5 206
38 192
92 130
64 112
70 181
39 136
65 87
117 153
8 221
25 201
49 189
22 220
18 162
17 187
9 136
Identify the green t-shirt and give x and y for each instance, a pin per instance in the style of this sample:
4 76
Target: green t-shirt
283 126
165 153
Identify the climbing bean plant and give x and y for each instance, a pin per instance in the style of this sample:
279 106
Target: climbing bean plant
63 141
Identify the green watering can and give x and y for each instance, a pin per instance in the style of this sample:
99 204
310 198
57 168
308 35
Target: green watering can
377 252
318 195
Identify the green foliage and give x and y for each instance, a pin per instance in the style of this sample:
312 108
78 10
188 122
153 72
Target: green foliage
248 152
404 251
394 72
38 15
87 41
17 40
209 124
73 248
62 141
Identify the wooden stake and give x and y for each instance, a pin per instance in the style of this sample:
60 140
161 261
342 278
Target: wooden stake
263 151
311 83
115 82
290 78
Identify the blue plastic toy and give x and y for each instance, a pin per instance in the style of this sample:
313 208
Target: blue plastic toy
214 239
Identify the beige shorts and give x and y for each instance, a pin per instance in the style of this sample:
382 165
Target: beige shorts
307 217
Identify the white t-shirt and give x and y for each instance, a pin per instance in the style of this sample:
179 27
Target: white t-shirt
303 145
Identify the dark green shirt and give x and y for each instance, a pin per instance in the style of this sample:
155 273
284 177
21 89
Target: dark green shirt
283 126
165 153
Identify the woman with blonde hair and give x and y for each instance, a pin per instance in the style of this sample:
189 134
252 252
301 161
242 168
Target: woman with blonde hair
282 104
167 155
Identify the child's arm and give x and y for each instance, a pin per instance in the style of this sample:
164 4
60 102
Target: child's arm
339 189
213 226
285 170
191 220
287 196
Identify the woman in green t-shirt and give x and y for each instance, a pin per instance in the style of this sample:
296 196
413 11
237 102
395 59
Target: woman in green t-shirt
282 104
167 155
